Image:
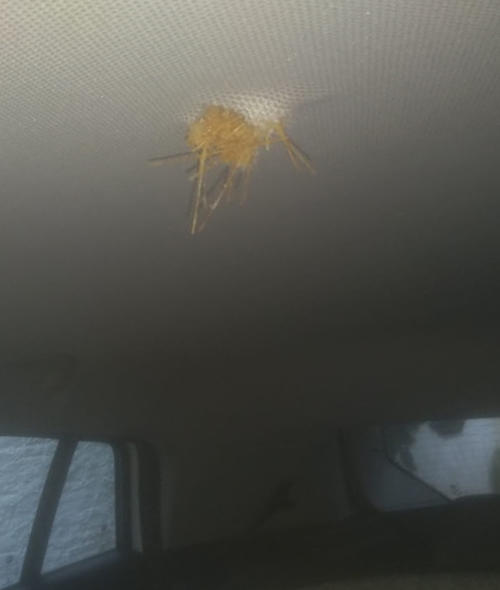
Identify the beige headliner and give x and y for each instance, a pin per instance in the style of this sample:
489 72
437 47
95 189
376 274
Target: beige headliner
396 102
369 291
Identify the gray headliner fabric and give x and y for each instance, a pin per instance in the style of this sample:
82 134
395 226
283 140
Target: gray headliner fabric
397 104
395 101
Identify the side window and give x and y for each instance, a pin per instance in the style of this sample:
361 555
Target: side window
84 523
58 504
24 464
422 464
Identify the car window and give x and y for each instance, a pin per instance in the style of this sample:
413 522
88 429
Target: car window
457 458
57 505
24 464
84 524
422 464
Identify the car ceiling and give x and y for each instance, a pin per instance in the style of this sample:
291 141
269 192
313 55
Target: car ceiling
396 103
367 291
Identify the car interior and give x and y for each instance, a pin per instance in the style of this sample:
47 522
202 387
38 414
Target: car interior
250 294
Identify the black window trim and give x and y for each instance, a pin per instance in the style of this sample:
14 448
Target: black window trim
46 511
123 530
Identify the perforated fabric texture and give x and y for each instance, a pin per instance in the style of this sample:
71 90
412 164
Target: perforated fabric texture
96 71
91 90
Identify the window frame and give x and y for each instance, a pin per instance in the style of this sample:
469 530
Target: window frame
146 502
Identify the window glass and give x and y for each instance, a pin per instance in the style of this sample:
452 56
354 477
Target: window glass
24 464
457 458
84 524
422 464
